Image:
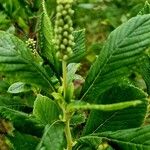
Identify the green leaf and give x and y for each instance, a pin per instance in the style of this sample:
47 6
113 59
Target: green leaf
45 110
11 102
124 47
18 62
53 137
22 121
79 50
21 141
145 9
135 139
144 69
132 117
46 37
19 87
72 68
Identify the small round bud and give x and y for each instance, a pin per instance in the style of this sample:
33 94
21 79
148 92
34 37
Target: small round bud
65 34
65 41
60 22
71 29
59 8
62 46
70 23
67 6
58 15
71 37
69 49
59 55
60 29
65 57
64 12
66 27
60 37
70 11
67 18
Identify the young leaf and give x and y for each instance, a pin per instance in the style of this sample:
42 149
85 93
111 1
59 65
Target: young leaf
132 117
21 141
53 137
21 121
18 62
72 68
45 110
79 50
124 47
46 36
19 87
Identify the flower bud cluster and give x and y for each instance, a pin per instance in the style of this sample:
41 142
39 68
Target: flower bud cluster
31 44
64 40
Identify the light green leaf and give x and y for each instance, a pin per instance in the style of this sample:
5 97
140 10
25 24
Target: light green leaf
124 48
46 37
132 117
79 50
20 141
22 121
145 9
53 137
18 62
72 68
19 87
45 110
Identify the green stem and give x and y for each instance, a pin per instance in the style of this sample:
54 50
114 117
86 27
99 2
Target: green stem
64 67
66 113
68 135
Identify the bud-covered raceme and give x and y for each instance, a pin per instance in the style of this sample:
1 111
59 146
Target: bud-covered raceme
64 40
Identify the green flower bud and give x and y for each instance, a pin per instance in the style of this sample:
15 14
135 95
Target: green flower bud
62 46
64 12
71 12
71 37
59 55
65 34
60 29
65 41
65 57
66 27
59 8
67 6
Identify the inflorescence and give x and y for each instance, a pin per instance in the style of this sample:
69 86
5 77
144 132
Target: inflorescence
64 39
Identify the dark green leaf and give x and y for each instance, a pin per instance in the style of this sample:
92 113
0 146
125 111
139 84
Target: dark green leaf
21 141
21 121
19 63
100 121
46 37
124 47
